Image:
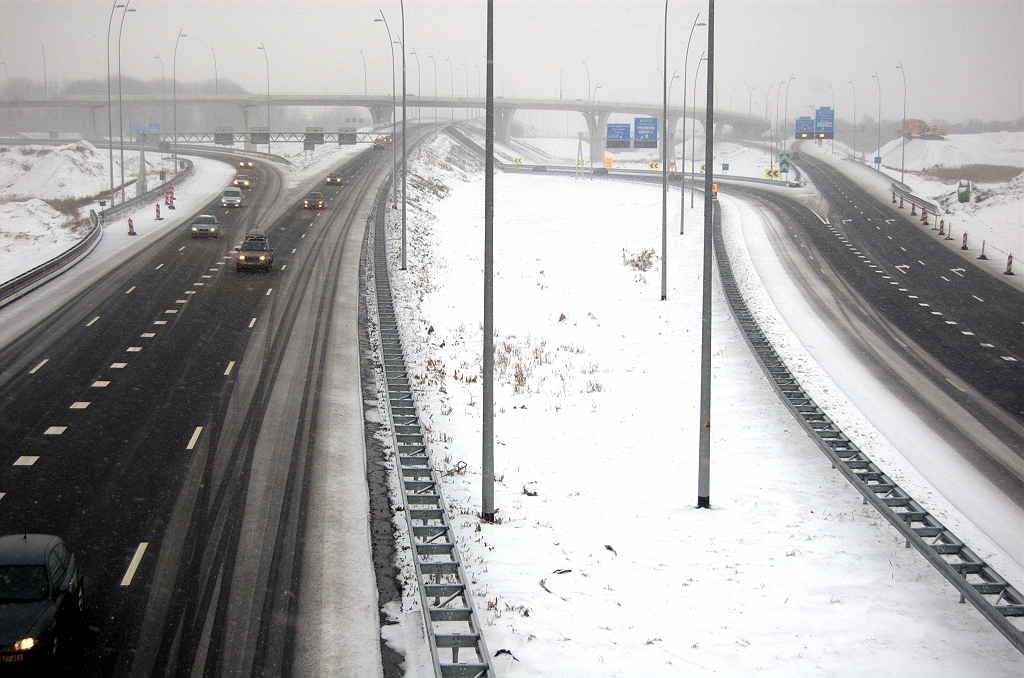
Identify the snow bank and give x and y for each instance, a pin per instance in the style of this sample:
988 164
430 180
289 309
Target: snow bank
52 172
957 150
32 233
600 563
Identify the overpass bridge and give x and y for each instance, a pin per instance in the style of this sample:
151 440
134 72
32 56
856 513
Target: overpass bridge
595 113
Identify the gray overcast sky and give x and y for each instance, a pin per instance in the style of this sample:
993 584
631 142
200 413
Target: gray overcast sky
963 58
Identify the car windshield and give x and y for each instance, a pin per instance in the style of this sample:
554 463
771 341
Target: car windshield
205 220
232 193
254 246
315 196
23 583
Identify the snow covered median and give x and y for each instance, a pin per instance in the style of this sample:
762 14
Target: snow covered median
599 563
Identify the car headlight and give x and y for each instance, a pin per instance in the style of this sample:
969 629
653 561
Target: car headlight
194 228
263 257
213 228
241 257
25 644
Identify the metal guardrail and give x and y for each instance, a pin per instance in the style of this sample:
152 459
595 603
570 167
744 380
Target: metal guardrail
977 582
29 280
150 194
903 192
449 615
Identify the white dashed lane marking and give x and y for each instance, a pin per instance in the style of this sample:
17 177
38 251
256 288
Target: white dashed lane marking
268 292
231 366
293 251
118 366
180 249
198 284
159 322
171 310
181 301
36 368
195 437
55 430
979 299
80 405
966 333
1009 358
100 384
190 291
89 324
159 267
130 289
134 349
206 276
25 461
147 335
252 323
134 565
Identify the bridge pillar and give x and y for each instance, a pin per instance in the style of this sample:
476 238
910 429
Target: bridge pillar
596 122
98 118
380 114
503 125
670 138
247 145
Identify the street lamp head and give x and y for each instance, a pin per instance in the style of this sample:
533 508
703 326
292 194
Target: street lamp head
376 21
702 24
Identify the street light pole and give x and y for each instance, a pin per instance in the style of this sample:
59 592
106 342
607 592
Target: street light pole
466 69
419 93
487 452
163 96
785 121
778 94
215 91
266 60
682 161
704 442
394 160
879 151
850 81
451 72
903 129
364 71
588 81
664 160
174 92
401 4
110 106
120 108
833 117
768 115
431 57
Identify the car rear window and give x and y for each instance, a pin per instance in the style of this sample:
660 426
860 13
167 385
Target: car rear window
23 583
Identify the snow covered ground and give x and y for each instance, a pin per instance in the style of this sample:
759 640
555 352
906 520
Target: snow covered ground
600 565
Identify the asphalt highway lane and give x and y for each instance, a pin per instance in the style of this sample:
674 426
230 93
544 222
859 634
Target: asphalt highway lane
882 272
129 420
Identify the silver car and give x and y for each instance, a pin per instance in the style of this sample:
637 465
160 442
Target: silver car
232 197
206 226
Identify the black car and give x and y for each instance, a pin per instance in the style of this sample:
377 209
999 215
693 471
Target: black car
42 599
255 252
334 178
313 201
245 163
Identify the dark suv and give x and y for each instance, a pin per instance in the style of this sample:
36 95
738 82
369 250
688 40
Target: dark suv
255 252
42 599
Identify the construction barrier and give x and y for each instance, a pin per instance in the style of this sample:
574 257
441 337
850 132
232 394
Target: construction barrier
963 246
1009 265
983 257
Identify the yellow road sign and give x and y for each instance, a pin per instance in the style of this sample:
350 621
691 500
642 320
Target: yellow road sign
702 168
518 161
654 165
609 162
771 173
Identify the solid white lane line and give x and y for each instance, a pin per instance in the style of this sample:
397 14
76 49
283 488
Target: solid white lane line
118 366
80 405
134 565
230 366
134 349
159 322
148 335
130 289
195 437
268 292
55 430
100 384
89 324
159 267
252 322
36 368
25 461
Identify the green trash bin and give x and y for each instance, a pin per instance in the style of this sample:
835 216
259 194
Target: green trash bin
963 191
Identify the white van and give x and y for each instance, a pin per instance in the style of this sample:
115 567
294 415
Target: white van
232 197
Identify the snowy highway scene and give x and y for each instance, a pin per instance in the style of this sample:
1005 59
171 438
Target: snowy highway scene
504 338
